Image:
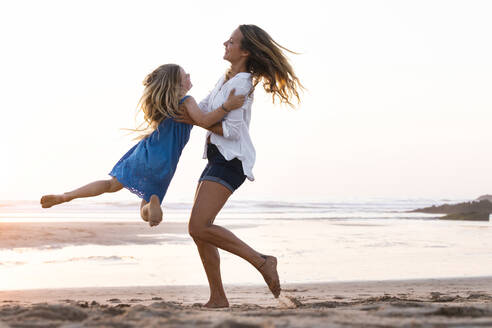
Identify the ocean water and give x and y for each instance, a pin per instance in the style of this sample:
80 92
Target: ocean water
89 211
373 239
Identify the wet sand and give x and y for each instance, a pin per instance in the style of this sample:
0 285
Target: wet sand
460 302
61 234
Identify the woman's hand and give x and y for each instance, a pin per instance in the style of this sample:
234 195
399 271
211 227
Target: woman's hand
234 101
184 117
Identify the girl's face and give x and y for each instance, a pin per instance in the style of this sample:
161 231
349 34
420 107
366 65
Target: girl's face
185 81
233 51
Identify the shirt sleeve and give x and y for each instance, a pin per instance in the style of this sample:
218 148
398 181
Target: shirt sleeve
203 105
232 123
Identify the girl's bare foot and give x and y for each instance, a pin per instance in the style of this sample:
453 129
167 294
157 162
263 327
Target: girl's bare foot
50 200
217 304
154 211
144 212
269 272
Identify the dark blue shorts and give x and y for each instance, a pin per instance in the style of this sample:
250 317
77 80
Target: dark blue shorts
230 174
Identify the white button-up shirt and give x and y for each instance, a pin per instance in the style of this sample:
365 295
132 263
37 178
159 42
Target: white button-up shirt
236 141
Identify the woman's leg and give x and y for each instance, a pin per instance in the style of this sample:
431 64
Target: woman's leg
90 190
209 254
210 199
151 212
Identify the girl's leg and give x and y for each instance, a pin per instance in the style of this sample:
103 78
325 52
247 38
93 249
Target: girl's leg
144 213
90 190
209 200
151 212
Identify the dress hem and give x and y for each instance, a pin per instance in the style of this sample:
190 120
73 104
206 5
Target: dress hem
133 190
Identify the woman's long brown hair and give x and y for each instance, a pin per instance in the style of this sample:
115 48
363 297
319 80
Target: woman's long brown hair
268 64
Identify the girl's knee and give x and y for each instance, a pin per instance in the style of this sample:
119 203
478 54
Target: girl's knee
114 185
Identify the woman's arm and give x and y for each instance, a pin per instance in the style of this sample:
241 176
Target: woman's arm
232 124
206 120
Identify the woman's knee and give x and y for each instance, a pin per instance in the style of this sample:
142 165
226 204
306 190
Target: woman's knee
199 243
196 231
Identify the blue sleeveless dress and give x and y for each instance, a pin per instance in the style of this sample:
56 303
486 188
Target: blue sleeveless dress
148 167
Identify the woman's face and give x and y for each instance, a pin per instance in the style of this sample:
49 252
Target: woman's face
233 51
185 81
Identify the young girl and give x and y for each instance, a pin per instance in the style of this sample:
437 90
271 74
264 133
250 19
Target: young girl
148 167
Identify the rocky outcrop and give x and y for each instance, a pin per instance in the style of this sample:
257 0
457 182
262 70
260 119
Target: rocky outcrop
472 216
485 197
474 210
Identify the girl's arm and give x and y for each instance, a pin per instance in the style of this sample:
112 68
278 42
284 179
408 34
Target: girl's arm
206 120
230 126
216 128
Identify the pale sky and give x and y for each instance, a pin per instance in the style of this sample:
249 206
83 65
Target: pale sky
398 101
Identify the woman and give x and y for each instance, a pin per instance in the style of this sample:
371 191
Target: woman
255 57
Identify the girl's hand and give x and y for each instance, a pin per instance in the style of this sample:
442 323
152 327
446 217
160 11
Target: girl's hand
234 101
184 117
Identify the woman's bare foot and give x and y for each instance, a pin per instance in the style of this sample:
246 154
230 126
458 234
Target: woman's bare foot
154 211
50 200
269 272
216 304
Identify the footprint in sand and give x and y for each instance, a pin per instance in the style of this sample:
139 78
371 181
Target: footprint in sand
289 302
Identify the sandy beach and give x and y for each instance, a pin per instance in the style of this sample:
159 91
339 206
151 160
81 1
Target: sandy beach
104 267
405 303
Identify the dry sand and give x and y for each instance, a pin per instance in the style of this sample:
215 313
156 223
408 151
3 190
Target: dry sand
463 302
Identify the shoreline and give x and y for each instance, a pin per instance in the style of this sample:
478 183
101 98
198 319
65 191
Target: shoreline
389 303
373 286
72 254
62 234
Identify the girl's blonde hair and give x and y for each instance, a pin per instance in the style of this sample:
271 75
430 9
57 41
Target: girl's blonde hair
267 63
160 99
